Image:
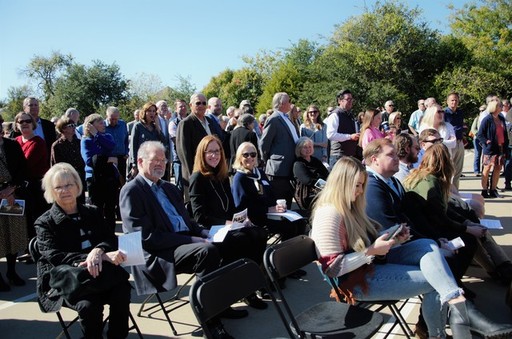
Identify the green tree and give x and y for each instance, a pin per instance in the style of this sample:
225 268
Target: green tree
89 89
14 101
46 70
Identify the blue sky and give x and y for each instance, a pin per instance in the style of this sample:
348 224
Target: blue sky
196 39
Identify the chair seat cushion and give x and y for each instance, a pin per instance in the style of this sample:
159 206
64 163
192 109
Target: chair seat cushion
339 319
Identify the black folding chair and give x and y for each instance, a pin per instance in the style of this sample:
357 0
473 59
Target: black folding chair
328 319
167 305
66 325
216 291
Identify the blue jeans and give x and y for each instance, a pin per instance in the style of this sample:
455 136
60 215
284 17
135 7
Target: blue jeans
477 167
508 167
415 268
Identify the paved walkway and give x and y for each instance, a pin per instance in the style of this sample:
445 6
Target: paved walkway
20 316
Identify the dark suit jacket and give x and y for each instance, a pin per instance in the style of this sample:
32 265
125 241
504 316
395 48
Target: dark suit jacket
141 211
278 147
190 132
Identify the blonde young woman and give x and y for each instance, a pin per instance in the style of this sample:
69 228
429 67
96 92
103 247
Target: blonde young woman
370 127
348 243
434 118
314 128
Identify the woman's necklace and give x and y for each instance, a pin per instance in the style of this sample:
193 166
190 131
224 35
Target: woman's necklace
226 206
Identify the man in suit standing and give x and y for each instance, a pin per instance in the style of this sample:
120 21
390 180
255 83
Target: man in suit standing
191 131
172 242
278 148
45 128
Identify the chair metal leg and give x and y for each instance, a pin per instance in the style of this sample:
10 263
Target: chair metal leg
401 321
135 326
65 326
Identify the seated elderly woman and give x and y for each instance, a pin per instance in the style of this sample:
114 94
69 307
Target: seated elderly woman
74 241
212 204
309 173
251 190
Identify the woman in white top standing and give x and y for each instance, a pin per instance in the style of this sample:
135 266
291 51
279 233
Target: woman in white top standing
434 118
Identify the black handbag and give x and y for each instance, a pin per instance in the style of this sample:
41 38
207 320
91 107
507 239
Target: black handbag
73 283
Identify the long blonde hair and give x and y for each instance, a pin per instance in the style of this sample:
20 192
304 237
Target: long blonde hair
368 117
338 192
436 162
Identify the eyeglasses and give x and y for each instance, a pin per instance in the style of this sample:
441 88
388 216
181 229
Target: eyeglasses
313 112
422 103
398 118
440 111
33 105
26 121
71 125
212 153
157 160
249 154
197 103
63 188
435 141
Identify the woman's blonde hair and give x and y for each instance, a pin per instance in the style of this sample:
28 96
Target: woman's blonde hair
200 165
90 119
368 117
338 192
237 163
437 162
428 118
61 170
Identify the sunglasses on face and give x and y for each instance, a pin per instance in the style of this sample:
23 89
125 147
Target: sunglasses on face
249 154
71 125
435 141
313 112
198 103
26 121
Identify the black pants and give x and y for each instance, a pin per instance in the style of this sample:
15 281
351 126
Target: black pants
282 189
104 194
200 258
248 242
90 311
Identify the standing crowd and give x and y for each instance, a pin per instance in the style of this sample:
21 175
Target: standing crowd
352 175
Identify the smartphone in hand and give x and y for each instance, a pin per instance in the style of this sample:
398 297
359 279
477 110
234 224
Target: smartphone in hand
393 231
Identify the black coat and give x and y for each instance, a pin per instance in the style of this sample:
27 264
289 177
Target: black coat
59 242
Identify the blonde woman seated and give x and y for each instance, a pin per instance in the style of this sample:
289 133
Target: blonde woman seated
348 243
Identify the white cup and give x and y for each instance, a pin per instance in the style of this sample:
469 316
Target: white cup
281 202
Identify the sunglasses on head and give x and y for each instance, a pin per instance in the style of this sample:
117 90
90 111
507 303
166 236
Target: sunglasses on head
26 121
197 103
249 154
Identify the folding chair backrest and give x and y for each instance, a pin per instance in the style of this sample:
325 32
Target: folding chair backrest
287 257
216 291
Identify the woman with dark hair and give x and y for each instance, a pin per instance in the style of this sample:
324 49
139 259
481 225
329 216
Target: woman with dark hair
243 132
73 239
36 153
67 148
13 229
309 174
349 245
146 129
101 174
314 128
212 204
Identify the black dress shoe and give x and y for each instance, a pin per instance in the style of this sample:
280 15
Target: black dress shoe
14 279
494 194
484 326
485 193
218 331
255 302
231 313
263 294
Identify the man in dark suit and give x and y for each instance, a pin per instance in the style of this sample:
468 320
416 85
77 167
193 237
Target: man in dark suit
278 148
191 131
172 242
45 128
